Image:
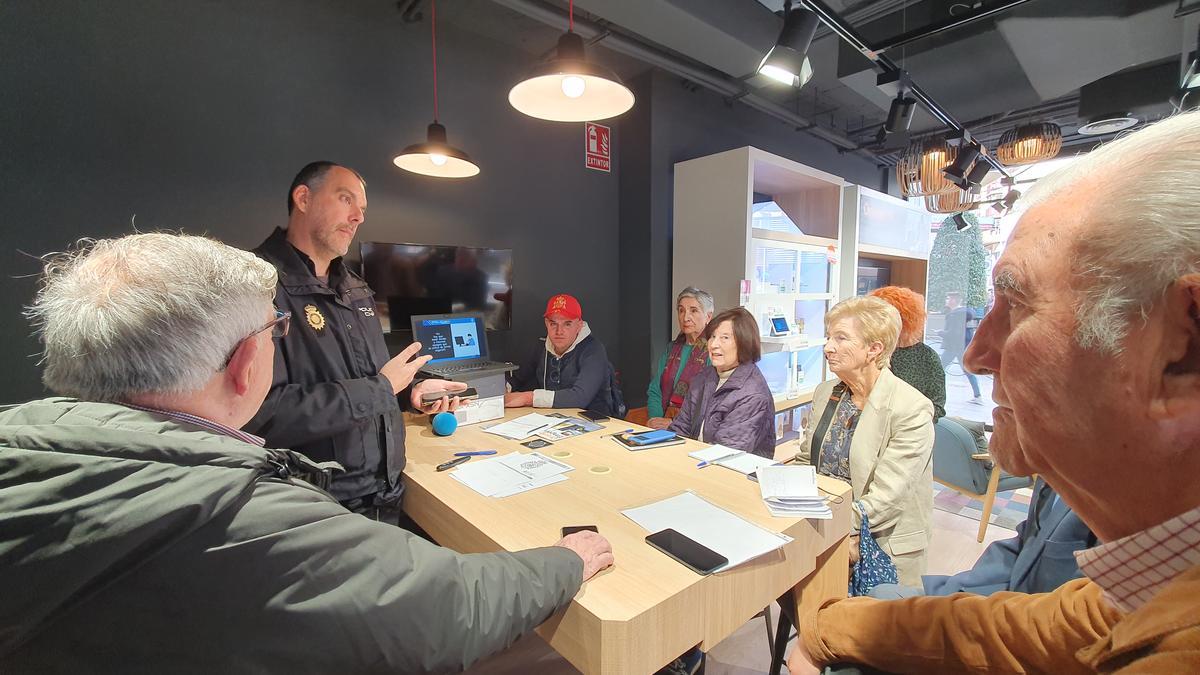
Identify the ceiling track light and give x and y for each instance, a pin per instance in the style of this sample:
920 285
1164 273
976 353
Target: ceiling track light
569 88
979 172
1011 198
957 171
900 114
436 157
961 224
787 62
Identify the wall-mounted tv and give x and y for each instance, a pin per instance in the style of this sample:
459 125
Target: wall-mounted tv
412 279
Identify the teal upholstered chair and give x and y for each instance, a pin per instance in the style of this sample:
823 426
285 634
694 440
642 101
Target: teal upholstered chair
961 462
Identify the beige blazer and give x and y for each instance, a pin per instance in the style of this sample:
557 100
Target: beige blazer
891 468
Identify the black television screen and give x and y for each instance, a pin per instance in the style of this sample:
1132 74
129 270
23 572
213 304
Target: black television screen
413 279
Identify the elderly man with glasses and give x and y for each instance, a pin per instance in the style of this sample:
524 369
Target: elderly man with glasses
141 529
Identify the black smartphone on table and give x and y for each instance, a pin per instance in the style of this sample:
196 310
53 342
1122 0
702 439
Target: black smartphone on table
435 396
594 416
694 555
572 529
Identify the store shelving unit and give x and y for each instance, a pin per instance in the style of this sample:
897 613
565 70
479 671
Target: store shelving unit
762 231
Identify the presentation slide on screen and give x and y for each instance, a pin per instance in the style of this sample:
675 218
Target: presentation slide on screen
446 339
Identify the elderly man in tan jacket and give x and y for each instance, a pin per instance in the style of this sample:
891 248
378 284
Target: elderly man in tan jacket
1094 343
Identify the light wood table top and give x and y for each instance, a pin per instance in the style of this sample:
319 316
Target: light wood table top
647 609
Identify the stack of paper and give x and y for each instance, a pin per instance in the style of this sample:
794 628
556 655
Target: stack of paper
742 462
510 474
791 492
524 426
727 533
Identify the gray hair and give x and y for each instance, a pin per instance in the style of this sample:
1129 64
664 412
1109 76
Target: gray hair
1143 229
703 297
146 313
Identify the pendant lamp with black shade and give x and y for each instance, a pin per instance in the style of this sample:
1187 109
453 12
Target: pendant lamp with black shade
568 87
436 157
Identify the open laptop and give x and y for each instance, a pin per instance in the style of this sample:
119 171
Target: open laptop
457 343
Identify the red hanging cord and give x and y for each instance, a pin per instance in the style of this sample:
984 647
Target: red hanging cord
433 30
571 15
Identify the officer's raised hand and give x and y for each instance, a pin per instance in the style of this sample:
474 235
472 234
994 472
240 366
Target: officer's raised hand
403 367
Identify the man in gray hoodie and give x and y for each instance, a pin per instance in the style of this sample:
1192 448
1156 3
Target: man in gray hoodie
142 531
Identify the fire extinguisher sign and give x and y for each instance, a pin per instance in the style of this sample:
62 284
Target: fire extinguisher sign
597 140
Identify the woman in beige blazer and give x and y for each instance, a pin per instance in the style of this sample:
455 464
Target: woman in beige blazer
879 433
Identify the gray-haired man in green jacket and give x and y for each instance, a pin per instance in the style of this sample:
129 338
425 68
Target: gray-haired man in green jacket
142 531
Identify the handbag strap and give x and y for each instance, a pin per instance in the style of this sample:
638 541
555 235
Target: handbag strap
818 437
864 526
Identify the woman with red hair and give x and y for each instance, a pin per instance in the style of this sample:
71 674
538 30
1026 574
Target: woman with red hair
914 361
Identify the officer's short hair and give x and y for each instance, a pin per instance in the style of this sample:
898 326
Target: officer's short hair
312 175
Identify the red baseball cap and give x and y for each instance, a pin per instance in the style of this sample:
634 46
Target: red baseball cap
565 305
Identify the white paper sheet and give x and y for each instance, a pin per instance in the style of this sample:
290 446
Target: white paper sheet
732 536
791 492
713 452
510 474
788 482
490 476
523 427
532 485
535 465
745 463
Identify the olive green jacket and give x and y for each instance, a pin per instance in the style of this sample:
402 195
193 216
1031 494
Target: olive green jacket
133 543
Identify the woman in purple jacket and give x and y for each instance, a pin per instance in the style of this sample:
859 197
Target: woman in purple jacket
730 402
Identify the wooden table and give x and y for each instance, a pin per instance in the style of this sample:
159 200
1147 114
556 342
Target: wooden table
647 609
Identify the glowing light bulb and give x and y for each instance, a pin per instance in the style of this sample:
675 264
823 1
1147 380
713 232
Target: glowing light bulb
438 160
572 86
778 74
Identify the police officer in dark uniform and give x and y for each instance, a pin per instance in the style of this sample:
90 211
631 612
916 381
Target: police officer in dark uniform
337 395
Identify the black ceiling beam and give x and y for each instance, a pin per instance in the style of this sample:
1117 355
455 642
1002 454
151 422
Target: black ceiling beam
948 24
846 32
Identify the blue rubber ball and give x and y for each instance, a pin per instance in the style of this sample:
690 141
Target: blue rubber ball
444 423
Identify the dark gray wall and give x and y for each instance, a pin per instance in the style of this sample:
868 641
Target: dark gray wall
684 123
195 116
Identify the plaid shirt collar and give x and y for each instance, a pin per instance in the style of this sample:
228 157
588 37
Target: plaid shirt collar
210 425
1133 569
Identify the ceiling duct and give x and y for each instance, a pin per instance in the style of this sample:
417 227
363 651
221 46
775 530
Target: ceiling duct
1139 92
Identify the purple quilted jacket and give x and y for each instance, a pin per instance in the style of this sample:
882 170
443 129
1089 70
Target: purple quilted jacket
739 415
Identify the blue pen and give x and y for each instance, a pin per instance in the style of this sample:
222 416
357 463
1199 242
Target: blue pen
701 465
474 453
622 432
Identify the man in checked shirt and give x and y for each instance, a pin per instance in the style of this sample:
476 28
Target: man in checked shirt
1094 343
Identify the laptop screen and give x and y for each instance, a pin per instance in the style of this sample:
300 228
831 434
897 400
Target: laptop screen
451 337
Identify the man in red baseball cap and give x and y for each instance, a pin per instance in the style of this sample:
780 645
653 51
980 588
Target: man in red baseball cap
572 369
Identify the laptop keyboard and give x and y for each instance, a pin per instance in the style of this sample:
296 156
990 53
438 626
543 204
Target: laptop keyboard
466 368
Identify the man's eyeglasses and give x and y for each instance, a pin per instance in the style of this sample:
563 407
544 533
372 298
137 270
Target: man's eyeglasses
278 327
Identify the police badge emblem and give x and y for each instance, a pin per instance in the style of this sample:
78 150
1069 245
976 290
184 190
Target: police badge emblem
316 320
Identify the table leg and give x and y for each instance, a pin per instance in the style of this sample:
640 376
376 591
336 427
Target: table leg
829 579
783 632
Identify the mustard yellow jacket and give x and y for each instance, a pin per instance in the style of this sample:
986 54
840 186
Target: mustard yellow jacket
1072 630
